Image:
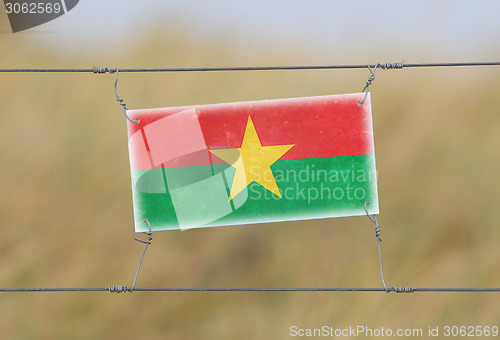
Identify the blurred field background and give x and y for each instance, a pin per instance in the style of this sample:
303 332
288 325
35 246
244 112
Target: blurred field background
66 208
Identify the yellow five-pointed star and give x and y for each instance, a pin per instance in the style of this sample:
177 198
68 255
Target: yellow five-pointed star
252 162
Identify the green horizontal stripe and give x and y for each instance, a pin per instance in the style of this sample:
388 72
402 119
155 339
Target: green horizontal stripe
310 188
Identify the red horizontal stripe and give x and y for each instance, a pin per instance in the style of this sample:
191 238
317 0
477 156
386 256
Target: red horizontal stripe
326 126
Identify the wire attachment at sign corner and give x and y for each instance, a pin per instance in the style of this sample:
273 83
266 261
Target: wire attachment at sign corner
384 66
377 235
373 219
368 83
147 243
120 100
102 70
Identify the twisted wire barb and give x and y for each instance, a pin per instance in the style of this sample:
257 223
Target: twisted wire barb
117 289
102 70
392 66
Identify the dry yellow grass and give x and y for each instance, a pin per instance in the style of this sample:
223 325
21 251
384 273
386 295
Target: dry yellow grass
66 210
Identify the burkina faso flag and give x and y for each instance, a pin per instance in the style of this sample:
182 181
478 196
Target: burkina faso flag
252 162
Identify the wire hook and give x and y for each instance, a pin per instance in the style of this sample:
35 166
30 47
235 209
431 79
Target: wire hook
147 242
368 83
118 99
377 234
122 289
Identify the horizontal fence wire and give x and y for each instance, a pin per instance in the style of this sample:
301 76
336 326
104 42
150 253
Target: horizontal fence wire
120 289
247 68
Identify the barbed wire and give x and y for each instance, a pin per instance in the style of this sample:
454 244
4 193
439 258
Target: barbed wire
398 65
